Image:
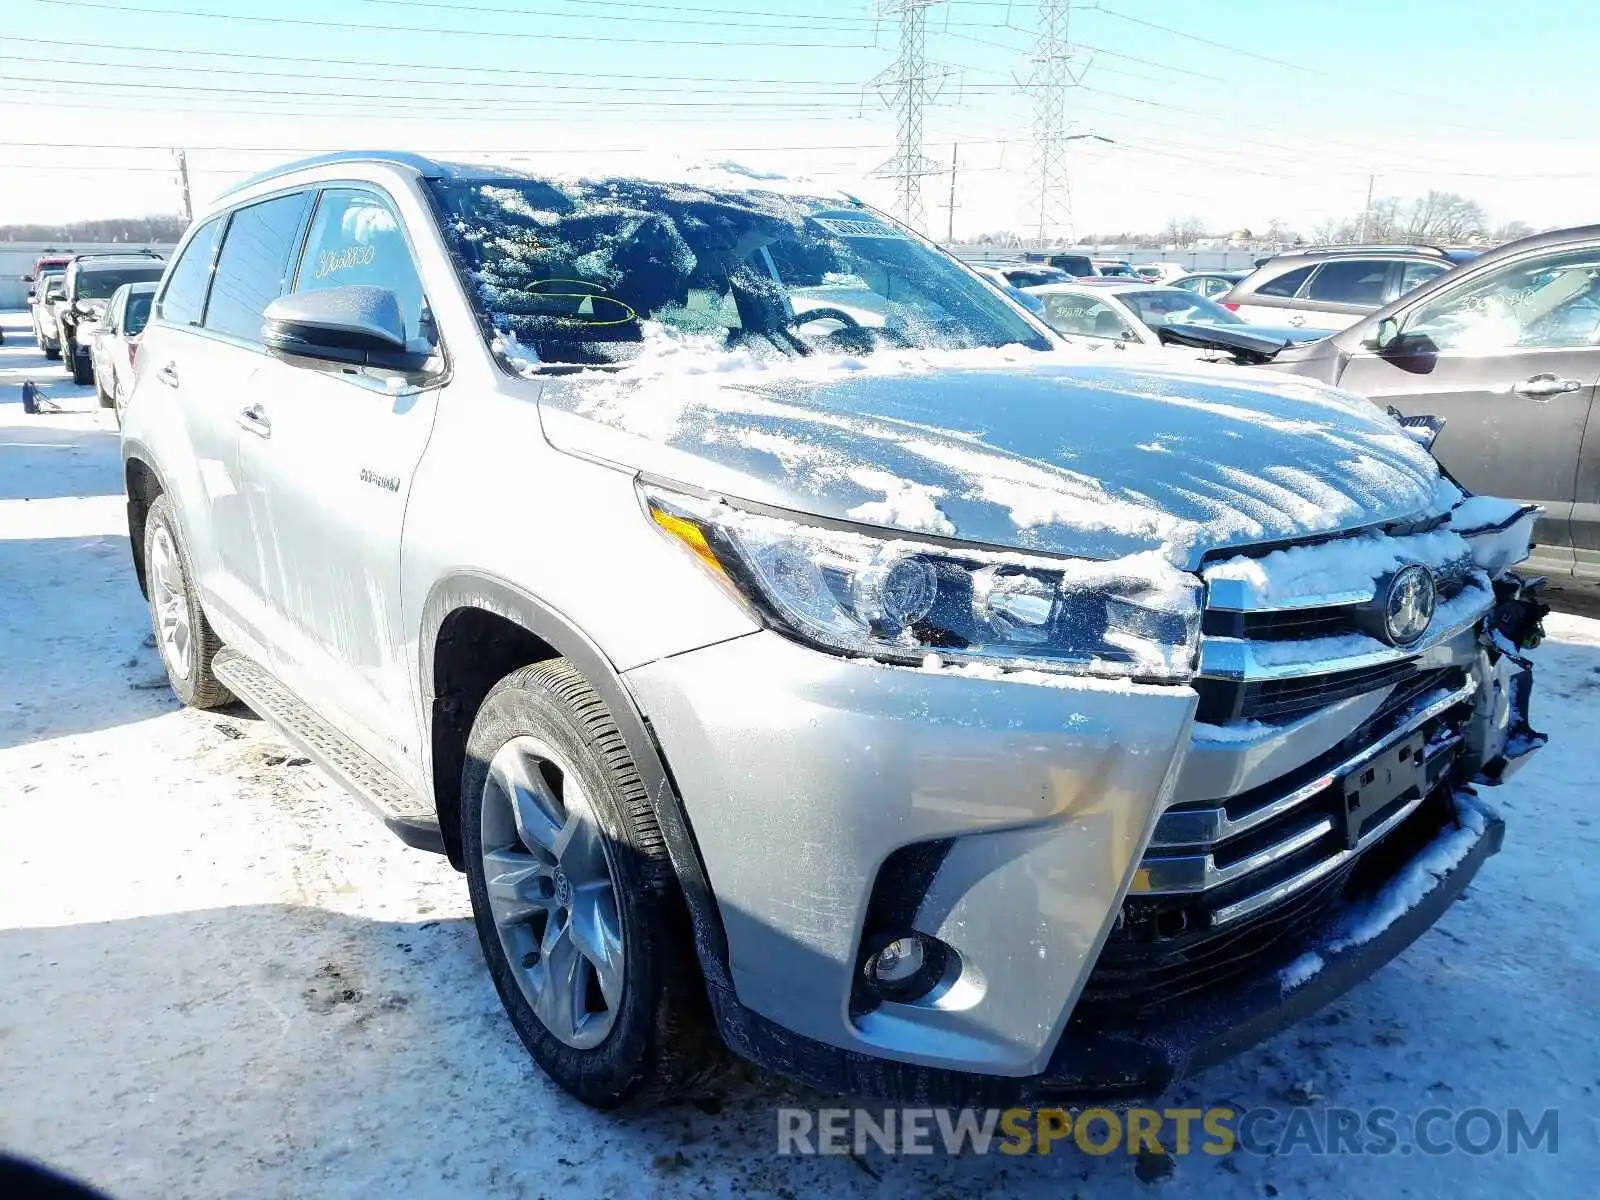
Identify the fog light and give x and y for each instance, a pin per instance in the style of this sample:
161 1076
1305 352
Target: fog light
898 961
904 967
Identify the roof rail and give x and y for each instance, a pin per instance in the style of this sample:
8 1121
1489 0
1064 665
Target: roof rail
401 158
145 251
1367 248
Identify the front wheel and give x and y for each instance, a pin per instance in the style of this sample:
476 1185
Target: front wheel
577 907
183 635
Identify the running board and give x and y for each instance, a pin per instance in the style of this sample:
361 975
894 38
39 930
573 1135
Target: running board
408 817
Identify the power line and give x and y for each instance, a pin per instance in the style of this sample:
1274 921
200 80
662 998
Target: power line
446 31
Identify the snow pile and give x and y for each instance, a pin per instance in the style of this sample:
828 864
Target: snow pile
1336 568
1242 733
1300 971
905 505
1419 877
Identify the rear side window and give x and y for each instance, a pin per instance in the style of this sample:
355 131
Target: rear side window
1354 281
254 265
1072 264
1286 284
356 238
184 297
1416 274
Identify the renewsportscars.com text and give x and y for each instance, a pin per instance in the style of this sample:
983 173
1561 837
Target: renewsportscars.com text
1174 1131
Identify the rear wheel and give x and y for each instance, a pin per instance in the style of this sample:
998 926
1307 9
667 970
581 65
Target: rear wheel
106 400
78 364
577 907
184 637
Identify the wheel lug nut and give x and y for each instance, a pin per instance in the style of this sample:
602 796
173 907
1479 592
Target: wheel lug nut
530 960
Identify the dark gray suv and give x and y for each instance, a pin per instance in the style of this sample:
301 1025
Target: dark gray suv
1331 287
1507 351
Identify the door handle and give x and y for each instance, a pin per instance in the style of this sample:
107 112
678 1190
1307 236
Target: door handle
168 375
254 420
1542 387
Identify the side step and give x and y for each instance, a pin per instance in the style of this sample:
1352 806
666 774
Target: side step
408 816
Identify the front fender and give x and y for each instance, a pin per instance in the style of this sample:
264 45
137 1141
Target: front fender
471 589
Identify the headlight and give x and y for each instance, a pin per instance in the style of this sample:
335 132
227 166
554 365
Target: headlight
902 599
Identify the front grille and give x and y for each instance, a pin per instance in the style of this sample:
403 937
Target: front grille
1225 884
1226 700
1150 963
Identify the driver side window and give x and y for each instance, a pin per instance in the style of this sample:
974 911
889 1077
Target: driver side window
1551 302
356 238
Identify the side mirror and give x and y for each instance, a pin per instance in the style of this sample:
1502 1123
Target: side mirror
1383 336
355 325
27 279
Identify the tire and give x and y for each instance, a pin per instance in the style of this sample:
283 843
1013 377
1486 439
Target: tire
174 607
53 355
79 366
651 1038
100 392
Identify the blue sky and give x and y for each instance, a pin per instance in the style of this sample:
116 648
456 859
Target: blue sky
1286 115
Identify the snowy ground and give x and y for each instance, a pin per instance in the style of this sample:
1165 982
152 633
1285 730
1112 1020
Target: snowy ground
220 977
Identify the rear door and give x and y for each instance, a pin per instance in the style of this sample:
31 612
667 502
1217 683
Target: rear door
1270 300
1341 292
185 366
332 455
1510 358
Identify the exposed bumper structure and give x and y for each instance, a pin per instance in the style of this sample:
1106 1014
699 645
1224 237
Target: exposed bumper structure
1120 890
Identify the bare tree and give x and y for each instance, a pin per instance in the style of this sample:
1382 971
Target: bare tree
1443 217
1510 231
1185 231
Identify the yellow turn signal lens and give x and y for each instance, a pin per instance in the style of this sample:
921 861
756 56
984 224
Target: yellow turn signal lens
690 535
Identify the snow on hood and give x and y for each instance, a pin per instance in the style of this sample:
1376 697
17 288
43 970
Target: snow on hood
1062 452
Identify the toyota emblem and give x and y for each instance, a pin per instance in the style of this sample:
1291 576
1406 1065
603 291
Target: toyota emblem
1408 608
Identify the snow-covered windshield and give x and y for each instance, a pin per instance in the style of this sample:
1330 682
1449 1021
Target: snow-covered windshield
573 271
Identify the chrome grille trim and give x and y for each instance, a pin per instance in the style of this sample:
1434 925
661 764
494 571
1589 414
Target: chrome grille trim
1234 595
1287 887
1192 827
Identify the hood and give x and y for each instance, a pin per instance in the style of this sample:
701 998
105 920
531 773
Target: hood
1012 448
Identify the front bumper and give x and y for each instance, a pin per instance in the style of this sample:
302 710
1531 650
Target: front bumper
833 799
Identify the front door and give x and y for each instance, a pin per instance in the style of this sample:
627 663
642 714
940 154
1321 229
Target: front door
1510 359
332 456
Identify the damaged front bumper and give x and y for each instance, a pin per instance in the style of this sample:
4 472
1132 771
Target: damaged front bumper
835 801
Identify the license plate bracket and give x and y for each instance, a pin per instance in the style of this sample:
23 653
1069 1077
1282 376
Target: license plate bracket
1372 790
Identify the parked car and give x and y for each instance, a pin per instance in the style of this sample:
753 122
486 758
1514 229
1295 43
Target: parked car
45 262
50 287
1210 284
1027 275
1114 268
90 280
793 641
1139 314
1334 287
1160 272
114 344
1076 265
1506 349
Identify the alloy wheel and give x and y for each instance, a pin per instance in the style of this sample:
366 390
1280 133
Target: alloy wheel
171 602
552 891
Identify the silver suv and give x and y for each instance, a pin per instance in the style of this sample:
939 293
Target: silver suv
799 647
1335 286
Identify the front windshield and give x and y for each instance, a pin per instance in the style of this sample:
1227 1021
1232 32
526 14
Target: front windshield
1159 306
99 284
574 271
